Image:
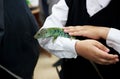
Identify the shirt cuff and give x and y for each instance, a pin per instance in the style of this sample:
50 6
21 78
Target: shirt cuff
69 46
113 39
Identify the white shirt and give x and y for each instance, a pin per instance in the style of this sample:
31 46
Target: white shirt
64 47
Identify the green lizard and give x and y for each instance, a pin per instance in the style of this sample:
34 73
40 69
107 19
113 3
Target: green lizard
52 32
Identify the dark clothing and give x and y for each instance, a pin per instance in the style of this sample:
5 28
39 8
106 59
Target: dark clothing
19 50
6 75
1 20
81 68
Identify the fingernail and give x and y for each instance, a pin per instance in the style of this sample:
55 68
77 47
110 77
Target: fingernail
117 60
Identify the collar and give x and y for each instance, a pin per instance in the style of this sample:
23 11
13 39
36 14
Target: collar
94 6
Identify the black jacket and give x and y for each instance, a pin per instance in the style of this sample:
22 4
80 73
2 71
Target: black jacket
19 50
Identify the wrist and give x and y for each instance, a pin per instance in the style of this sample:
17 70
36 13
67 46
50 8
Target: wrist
104 32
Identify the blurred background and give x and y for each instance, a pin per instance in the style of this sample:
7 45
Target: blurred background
45 68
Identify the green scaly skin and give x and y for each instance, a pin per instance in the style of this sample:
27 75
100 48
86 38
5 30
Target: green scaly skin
52 32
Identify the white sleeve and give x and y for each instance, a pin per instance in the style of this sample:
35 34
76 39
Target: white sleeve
62 47
113 39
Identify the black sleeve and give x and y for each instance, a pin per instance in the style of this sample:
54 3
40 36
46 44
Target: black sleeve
1 19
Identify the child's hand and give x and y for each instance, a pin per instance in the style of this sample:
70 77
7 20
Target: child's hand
96 52
88 31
